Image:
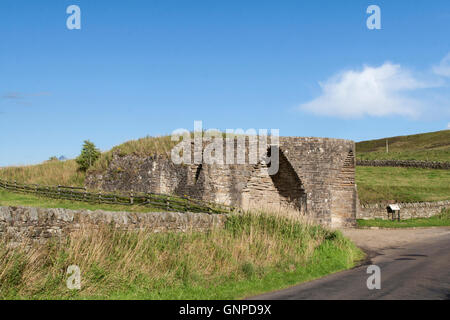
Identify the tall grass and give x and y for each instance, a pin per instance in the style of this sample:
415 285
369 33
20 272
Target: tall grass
253 253
48 173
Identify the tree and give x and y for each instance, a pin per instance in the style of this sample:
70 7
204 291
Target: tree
89 154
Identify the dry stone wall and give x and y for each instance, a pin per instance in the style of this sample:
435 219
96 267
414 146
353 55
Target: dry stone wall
21 223
404 163
407 210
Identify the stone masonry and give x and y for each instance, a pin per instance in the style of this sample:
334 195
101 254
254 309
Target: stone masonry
316 177
407 210
405 164
23 223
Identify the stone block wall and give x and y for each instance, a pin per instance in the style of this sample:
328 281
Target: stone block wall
343 188
21 223
407 210
404 163
284 190
318 163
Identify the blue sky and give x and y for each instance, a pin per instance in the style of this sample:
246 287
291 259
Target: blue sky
137 68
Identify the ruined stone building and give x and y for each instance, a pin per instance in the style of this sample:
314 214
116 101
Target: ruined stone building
316 177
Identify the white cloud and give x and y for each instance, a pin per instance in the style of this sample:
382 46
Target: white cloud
372 91
443 69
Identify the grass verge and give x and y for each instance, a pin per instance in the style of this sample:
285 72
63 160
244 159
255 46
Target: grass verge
381 184
440 220
254 253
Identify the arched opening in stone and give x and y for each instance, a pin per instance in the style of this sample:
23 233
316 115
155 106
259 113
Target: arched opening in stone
283 190
289 185
197 172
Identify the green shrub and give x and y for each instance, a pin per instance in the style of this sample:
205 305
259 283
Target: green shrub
89 154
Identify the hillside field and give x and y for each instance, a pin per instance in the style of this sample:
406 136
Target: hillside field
432 146
382 184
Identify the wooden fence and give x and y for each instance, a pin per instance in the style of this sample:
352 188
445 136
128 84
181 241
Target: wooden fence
154 200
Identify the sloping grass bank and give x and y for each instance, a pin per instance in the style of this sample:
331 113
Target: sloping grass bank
50 173
251 255
440 220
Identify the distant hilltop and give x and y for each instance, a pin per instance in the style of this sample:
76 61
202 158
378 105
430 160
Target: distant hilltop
431 146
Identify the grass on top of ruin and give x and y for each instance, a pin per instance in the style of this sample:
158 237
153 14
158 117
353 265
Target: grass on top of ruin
252 254
147 146
440 220
144 147
383 184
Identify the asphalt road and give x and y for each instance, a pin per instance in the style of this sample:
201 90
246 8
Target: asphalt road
418 270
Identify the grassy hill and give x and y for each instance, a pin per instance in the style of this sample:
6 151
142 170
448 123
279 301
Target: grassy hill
432 146
382 184
50 173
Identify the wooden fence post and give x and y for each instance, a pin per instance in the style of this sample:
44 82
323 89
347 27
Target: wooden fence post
131 197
